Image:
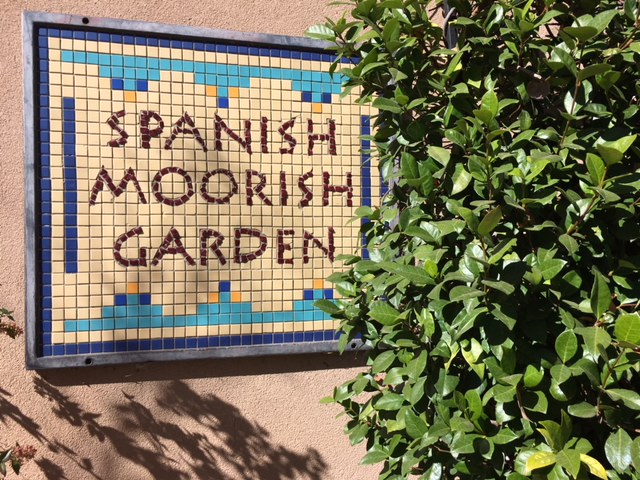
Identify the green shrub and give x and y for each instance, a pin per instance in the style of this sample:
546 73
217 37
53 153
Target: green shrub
501 296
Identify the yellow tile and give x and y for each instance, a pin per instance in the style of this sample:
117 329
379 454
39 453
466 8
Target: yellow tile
236 296
214 298
212 91
132 288
317 108
318 284
130 97
234 92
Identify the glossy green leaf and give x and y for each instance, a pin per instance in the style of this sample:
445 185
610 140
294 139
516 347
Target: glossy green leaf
389 402
581 33
490 221
384 313
569 460
582 410
628 397
566 345
618 450
600 294
387 104
613 151
627 328
461 179
539 460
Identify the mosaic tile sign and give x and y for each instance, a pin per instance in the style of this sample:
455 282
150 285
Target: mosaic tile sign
190 194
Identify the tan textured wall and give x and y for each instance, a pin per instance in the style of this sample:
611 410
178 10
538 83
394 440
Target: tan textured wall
223 419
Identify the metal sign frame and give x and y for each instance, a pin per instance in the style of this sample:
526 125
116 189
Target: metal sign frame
41 352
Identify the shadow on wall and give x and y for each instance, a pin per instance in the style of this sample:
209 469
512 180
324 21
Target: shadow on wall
223 444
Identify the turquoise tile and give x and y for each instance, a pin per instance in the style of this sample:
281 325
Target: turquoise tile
133 310
120 311
130 85
222 81
225 297
130 61
235 319
233 81
93 59
117 60
141 62
108 324
132 322
78 57
121 323
167 321
69 325
165 64
210 68
223 319
82 325
105 72
233 69
194 320
144 310
129 73
222 69
299 305
203 320
144 322
244 71
318 294
200 78
154 75
176 65
214 308
117 72
153 63
180 321
203 309
268 317
156 310
156 322
95 325
200 67
245 82
223 92
142 74
191 320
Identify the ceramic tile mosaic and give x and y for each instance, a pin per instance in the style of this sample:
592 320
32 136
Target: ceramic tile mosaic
192 194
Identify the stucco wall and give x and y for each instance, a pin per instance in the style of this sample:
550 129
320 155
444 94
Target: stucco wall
222 419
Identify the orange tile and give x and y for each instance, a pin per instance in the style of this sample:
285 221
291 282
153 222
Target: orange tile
130 97
318 284
234 92
212 91
236 296
214 297
133 288
317 108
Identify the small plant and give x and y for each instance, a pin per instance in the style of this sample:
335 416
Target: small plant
18 455
501 297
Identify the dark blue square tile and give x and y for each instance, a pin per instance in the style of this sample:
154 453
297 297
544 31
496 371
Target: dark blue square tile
308 294
121 299
225 341
92 36
145 299
223 102
117 84
224 286
192 342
